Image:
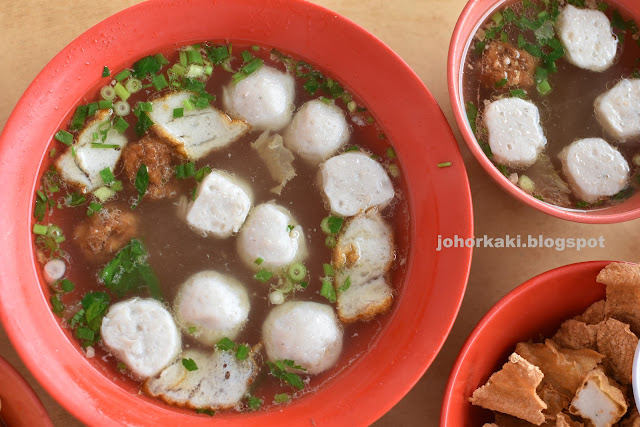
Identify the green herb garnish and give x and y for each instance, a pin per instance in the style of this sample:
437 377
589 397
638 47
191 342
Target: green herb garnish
263 276
472 115
141 183
242 352
328 270
328 291
345 285
259 261
254 402
225 344
143 124
280 369
189 365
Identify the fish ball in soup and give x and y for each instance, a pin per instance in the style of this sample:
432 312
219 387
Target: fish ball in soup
618 110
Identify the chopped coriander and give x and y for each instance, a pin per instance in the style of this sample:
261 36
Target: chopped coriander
331 224
107 176
617 21
582 204
78 117
503 169
328 270
259 261
122 75
328 291
501 83
206 411
254 403
92 108
217 54
290 228
85 333
472 115
129 271
242 352
178 112
146 65
56 305
67 285
281 398
518 93
189 365
106 72
143 124
225 344
444 164
304 284
280 370
201 173
75 199
94 208
345 285
479 47
141 182
263 276
352 148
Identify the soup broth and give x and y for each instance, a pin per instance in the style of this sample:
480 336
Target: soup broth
176 251
563 93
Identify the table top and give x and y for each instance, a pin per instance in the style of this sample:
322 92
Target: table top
33 31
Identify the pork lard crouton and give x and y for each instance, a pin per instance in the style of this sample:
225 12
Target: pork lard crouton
363 256
158 157
503 61
271 233
80 164
306 332
220 382
142 334
105 233
587 38
317 131
199 131
221 205
516 137
512 391
353 183
594 169
211 306
618 110
264 99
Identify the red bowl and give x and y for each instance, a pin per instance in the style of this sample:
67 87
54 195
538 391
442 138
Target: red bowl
438 199
474 14
535 308
20 404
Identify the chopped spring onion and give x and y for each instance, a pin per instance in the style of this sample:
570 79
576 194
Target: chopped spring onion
78 117
104 104
259 261
194 57
116 186
133 85
263 276
160 59
255 48
206 411
352 106
143 124
185 170
56 305
394 170
146 65
122 75
104 193
145 106
159 82
65 137
92 108
526 183
242 352
120 125
107 176
108 93
52 153
330 241
189 365
208 70
251 67
84 333
99 145
444 164
519 93
218 54
178 112
183 58
254 403
280 369
94 208
121 91
106 72
328 291
544 87
225 344
281 398
502 82
122 108
246 56
194 71
331 224
345 285
188 105
40 229
202 173
391 154
297 272
328 270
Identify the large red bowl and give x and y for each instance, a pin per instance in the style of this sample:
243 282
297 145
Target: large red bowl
536 307
439 201
474 14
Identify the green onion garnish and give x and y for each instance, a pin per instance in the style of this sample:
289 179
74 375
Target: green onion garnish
99 145
544 87
218 54
518 93
206 411
64 137
146 65
246 56
78 118
281 398
92 108
280 369
159 82
188 105
143 124
120 125
141 182
67 285
242 352
84 333
94 208
472 115
121 91
178 112
328 270
328 291
189 365
133 85
106 72
202 173
225 344
122 75
330 241
263 276
259 261
104 104
56 305
254 403
194 57
40 229
345 285
160 59
108 93
444 164
251 67
297 272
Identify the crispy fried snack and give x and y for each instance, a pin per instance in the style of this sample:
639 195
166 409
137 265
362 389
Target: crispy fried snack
632 419
554 400
618 344
564 420
599 400
512 390
594 314
576 335
563 369
623 293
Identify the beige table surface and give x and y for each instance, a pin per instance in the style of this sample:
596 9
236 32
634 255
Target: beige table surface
33 31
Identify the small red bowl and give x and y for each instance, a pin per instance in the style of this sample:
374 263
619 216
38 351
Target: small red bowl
20 404
438 198
535 308
474 14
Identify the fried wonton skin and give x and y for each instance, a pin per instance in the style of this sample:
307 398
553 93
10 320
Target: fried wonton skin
594 314
632 419
563 369
512 390
618 344
623 293
599 400
554 400
564 420
576 335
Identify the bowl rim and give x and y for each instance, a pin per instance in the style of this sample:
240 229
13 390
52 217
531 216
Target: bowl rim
528 286
453 214
457 51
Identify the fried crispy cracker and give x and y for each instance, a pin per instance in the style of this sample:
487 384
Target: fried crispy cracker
512 390
554 400
563 369
632 419
594 314
503 420
576 335
623 293
490 425
618 344
598 400
564 420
